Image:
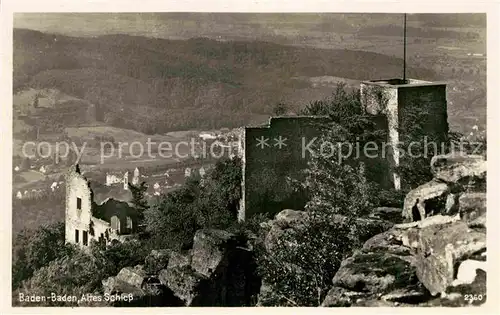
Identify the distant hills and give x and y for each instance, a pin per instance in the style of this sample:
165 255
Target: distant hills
158 85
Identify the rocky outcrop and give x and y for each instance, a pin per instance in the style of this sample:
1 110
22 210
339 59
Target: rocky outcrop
210 250
146 290
436 260
440 249
458 168
294 220
375 272
157 260
218 271
425 200
132 276
454 175
472 206
412 264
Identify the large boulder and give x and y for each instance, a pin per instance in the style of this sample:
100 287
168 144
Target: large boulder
426 200
472 206
179 260
112 285
461 169
210 248
440 248
218 271
294 220
156 260
375 272
133 276
183 281
390 214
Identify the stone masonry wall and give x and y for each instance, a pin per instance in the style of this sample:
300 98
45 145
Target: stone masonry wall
272 155
77 219
418 105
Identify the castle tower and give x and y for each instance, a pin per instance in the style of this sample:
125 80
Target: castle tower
403 105
125 181
135 178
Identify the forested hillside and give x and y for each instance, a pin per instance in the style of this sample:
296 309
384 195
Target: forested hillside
157 85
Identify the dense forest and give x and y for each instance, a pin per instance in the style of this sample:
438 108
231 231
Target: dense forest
157 85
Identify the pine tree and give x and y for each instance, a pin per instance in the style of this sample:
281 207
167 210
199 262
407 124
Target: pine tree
36 101
139 199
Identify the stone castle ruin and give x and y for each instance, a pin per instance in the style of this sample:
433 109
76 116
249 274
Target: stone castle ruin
272 155
118 178
90 218
395 102
103 211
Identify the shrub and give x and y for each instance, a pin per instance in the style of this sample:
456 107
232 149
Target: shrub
78 272
299 268
302 263
33 250
209 202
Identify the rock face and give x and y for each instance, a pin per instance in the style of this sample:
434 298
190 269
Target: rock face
454 174
472 206
218 271
458 168
410 264
295 220
441 249
157 260
375 272
146 290
424 200
210 250
132 276
436 260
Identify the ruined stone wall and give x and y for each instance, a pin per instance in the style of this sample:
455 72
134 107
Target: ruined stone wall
121 210
418 106
431 101
99 229
77 219
272 156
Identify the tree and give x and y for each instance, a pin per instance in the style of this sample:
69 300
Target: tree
280 109
300 267
35 249
139 199
36 100
81 273
220 194
210 202
26 163
171 221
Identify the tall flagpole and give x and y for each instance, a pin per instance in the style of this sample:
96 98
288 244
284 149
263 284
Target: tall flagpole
404 50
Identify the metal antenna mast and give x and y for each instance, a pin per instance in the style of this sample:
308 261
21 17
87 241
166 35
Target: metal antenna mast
404 50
